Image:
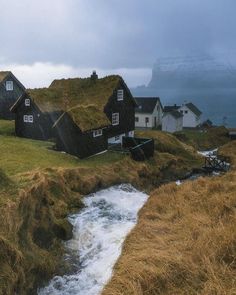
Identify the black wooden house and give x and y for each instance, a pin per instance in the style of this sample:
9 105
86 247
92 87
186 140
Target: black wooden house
83 115
10 90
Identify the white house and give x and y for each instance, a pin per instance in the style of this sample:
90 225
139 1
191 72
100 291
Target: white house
191 115
149 112
172 121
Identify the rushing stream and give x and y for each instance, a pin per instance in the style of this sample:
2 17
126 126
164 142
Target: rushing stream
99 231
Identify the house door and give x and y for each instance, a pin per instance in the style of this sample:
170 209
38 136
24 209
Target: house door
155 121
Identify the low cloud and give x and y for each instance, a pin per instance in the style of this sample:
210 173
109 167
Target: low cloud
42 74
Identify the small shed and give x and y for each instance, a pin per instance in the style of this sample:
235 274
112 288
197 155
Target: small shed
172 121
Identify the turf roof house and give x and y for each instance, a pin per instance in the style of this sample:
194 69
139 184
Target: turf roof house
84 115
148 113
10 90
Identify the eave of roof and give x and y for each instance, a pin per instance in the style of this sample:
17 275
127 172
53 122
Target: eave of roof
146 105
175 114
194 109
171 108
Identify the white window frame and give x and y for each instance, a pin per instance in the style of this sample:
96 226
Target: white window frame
25 118
9 86
27 102
28 118
115 119
120 94
31 119
97 133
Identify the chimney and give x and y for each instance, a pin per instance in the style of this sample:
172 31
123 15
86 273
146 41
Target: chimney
94 76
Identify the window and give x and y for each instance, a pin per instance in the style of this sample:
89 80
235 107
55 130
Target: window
186 112
25 118
28 118
136 119
117 137
27 102
120 94
97 133
115 119
147 120
9 85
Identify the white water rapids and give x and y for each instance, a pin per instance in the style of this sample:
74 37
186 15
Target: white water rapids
99 232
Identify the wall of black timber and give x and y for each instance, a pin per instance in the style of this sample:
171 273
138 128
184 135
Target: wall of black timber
141 149
41 128
70 139
126 109
8 98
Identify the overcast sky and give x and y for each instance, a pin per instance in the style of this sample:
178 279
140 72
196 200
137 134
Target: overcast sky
47 39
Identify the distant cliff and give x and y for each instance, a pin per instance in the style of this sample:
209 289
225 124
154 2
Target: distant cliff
208 82
192 72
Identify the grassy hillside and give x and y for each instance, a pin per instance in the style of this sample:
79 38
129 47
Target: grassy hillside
185 240
39 187
7 127
204 140
22 155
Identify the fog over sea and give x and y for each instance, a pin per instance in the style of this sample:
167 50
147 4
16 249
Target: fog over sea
208 82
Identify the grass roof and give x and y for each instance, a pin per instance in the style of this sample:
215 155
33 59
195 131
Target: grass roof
84 99
3 75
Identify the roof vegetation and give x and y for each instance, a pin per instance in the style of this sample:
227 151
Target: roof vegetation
3 75
83 99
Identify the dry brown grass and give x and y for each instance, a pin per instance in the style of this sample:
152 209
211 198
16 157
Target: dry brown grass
184 242
35 202
209 139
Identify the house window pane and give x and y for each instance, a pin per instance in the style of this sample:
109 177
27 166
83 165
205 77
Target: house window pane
27 102
9 85
115 119
120 94
25 118
136 119
97 133
147 119
30 119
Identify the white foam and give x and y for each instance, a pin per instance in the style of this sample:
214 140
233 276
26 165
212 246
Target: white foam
178 182
99 232
208 153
